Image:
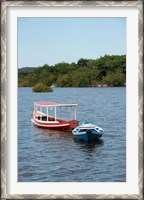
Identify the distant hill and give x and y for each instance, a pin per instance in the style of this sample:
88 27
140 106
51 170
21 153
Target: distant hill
26 69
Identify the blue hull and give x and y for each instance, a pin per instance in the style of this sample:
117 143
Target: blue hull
88 136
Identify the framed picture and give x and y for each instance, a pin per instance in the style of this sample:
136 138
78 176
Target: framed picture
57 55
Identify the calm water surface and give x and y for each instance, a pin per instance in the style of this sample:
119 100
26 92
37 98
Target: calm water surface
54 156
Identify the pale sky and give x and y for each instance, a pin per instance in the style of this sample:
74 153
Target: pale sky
53 40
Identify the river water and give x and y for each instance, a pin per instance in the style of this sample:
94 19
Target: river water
55 156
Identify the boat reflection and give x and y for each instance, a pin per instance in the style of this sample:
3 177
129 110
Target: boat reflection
67 135
89 145
53 133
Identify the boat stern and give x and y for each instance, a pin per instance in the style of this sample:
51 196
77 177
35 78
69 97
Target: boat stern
73 124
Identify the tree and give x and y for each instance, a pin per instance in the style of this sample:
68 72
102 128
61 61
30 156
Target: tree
82 62
41 88
80 79
64 81
114 79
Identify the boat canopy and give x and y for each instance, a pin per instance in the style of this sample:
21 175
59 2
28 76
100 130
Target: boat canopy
53 104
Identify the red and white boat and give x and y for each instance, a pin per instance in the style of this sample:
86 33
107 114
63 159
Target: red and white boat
53 115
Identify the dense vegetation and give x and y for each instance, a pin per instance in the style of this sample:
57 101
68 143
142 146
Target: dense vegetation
26 69
107 70
41 88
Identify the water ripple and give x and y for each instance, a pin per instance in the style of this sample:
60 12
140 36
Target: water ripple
55 156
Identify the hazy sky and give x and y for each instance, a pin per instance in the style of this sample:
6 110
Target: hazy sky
52 40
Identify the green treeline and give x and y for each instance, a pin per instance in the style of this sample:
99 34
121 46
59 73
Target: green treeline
106 70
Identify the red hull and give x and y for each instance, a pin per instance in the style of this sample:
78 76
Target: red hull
61 125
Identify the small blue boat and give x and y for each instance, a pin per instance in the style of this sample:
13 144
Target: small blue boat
88 132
